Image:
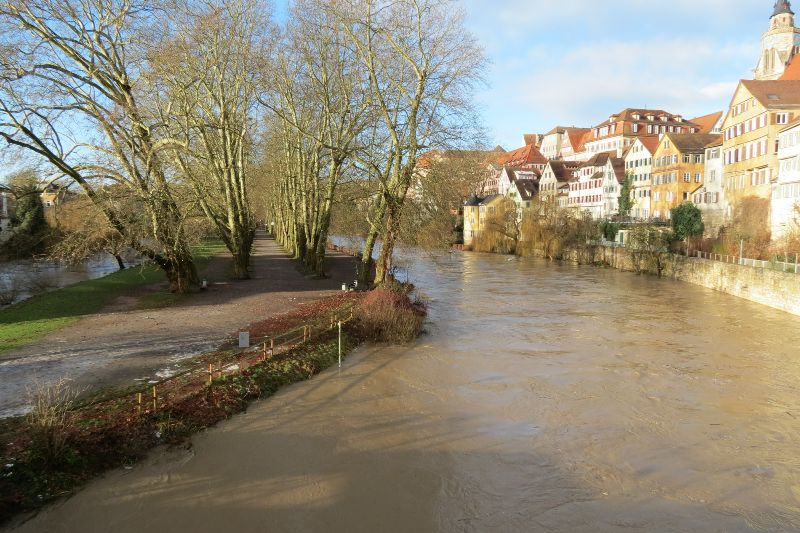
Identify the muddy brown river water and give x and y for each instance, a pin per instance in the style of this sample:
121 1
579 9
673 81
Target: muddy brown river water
543 398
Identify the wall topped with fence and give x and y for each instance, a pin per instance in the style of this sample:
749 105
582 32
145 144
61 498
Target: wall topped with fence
789 263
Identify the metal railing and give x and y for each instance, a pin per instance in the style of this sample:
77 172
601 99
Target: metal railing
773 264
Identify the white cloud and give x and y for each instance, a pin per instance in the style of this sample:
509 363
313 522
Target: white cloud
576 62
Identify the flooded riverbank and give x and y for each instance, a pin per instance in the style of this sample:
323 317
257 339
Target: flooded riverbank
23 279
545 397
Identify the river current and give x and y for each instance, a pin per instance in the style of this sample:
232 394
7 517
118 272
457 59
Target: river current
544 397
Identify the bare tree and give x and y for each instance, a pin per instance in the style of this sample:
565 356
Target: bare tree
422 66
72 93
442 182
501 228
84 231
323 109
209 79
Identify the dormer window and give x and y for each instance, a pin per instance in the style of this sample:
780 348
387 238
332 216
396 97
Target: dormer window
651 118
636 116
663 118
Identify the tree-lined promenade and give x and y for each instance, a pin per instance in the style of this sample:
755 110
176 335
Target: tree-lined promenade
175 121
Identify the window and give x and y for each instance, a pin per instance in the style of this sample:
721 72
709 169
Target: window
698 178
687 177
686 196
687 158
781 118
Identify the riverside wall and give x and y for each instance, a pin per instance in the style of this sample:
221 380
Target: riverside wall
772 288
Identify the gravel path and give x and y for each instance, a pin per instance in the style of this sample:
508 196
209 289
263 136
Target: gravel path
125 345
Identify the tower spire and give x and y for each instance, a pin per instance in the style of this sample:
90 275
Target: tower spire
781 7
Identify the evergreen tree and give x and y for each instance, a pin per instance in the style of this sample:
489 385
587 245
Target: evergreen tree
626 197
687 221
28 225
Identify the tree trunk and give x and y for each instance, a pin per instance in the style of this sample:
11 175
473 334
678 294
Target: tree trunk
120 262
367 262
384 267
181 273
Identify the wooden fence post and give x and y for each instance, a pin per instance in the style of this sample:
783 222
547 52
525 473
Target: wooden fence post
155 400
140 402
210 373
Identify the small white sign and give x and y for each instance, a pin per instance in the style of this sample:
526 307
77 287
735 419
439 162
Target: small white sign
244 339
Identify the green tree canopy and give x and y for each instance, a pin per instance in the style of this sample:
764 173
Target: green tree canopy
687 221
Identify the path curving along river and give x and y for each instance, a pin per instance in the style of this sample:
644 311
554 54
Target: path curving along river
545 397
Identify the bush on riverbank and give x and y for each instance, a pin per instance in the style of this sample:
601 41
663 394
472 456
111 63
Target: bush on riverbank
389 315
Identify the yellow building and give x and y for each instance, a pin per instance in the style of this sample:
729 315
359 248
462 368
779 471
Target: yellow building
678 169
476 213
758 111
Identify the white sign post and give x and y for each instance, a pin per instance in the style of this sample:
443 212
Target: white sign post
244 339
340 344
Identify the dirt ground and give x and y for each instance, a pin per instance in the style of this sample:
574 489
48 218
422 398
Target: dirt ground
125 345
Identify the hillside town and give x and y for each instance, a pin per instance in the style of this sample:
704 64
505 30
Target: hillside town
730 164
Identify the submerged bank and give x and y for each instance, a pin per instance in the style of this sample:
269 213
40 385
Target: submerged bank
59 446
544 397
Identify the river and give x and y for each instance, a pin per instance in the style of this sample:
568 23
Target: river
27 277
544 397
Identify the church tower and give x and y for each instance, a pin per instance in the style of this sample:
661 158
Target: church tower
780 44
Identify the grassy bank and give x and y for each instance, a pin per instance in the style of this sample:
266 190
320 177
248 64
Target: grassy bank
29 321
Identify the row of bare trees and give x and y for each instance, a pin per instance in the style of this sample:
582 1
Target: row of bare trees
163 112
150 101
363 88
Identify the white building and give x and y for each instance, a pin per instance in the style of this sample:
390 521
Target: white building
779 44
597 185
639 165
622 129
786 190
507 177
561 143
710 197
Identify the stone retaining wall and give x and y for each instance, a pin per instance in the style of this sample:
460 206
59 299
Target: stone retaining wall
772 288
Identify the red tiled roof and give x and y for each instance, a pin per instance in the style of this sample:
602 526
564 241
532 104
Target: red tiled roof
774 93
650 142
576 135
527 155
707 122
792 72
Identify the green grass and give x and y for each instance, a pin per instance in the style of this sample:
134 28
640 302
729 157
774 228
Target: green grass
29 321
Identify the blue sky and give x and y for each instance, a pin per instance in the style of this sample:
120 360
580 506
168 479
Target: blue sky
575 62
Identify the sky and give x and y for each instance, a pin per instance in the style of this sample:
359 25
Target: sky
576 62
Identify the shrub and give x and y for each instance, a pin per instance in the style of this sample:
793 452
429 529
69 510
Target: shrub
42 282
48 420
9 291
389 315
